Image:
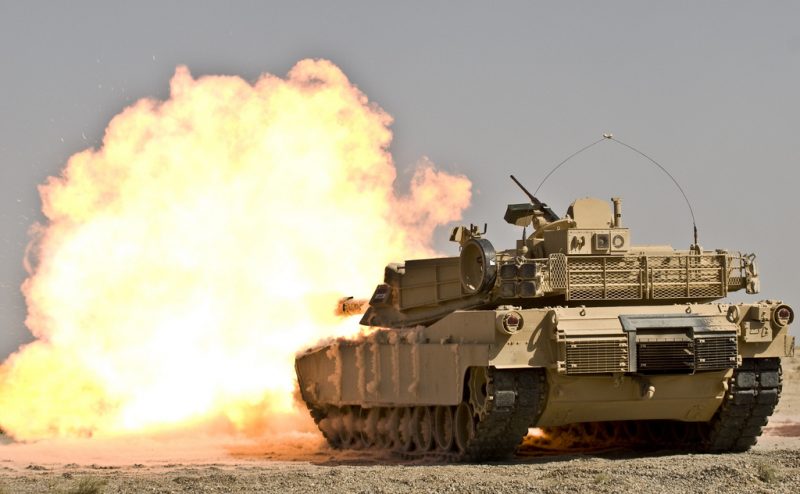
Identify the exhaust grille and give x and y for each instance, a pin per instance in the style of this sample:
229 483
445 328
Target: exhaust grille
596 356
673 355
677 354
716 352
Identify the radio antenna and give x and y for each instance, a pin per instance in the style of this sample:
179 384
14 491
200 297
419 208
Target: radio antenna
610 137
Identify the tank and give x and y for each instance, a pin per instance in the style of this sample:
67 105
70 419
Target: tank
576 332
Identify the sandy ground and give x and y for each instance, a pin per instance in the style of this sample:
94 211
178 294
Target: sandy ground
300 462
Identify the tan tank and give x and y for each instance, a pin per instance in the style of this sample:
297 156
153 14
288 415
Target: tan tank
576 331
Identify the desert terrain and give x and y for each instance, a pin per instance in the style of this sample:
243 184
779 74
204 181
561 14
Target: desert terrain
301 462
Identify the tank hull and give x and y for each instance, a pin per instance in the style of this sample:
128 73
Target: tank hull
582 364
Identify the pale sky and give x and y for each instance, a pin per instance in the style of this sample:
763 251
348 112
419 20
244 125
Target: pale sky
485 89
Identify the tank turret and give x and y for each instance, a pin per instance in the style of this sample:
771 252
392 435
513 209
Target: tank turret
585 258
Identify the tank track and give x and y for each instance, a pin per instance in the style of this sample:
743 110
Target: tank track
485 427
753 392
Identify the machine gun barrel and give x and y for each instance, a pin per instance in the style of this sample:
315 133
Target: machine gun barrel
549 214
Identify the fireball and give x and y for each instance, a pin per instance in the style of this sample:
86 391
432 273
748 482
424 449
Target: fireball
185 261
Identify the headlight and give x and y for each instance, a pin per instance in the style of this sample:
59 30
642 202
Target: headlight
510 322
783 315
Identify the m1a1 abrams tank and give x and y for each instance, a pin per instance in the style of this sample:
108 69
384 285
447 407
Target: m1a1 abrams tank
576 331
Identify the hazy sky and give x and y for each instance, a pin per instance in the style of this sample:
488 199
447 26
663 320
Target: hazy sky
710 90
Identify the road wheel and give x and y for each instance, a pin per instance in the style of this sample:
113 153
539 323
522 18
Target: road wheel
423 428
465 426
443 427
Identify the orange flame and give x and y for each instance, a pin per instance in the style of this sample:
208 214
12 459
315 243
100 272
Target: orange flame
187 260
